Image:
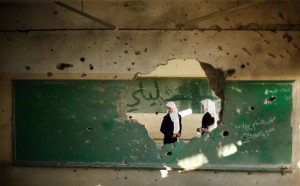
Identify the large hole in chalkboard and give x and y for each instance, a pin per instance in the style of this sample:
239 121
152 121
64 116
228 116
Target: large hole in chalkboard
147 95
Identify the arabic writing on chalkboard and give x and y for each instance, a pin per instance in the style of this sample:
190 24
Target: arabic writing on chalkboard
260 128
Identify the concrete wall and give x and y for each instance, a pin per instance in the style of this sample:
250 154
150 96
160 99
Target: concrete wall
121 54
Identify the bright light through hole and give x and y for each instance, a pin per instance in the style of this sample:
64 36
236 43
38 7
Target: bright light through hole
193 162
239 143
164 173
186 112
299 164
227 150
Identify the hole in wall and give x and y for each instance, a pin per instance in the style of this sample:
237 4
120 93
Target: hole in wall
225 133
251 108
140 94
62 66
49 74
89 129
82 59
91 67
270 100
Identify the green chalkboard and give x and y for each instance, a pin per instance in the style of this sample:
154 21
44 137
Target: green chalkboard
82 123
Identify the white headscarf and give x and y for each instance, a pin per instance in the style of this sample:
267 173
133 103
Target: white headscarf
174 116
209 106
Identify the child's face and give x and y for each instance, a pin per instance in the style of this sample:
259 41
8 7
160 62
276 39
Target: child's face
169 109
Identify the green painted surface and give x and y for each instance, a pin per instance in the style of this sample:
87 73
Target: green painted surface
81 123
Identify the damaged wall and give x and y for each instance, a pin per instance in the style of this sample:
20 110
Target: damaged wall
50 42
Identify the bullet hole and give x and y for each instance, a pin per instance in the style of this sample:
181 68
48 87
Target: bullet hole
2 110
91 67
230 72
137 52
133 63
49 74
155 180
220 48
126 43
266 41
128 69
280 15
227 53
251 108
115 62
130 117
225 133
145 50
269 100
125 177
243 66
126 51
74 170
169 153
62 66
126 4
82 59
272 55
246 51
115 77
51 49
89 129
156 113
118 37
27 67
288 37
55 12
83 74
89 141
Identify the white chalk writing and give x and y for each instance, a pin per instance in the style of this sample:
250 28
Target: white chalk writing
278 90
260 128
247 137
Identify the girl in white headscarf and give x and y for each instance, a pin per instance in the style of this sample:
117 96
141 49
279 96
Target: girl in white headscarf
209 119
171 124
